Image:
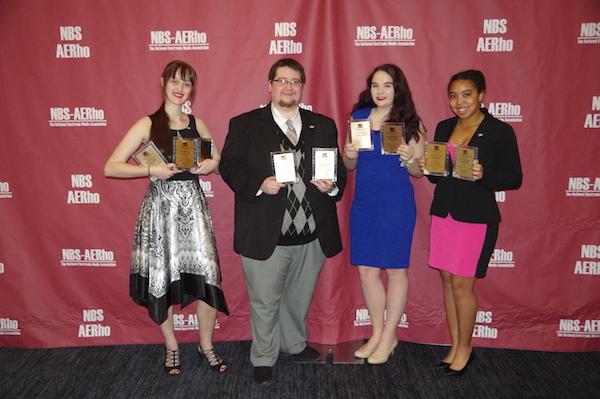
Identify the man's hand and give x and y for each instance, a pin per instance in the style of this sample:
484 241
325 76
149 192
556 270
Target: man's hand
271 186
324 186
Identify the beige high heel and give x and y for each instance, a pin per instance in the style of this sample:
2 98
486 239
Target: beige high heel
362 353
381 359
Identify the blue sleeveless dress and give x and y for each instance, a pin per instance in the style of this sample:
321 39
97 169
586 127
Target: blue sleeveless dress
382 217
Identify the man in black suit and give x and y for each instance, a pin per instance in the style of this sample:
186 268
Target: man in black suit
283 232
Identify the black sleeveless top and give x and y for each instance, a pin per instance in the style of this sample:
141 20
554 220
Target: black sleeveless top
166 146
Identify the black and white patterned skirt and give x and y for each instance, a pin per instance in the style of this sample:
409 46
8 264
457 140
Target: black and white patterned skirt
174 257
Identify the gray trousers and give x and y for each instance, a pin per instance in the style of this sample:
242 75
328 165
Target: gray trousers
280 290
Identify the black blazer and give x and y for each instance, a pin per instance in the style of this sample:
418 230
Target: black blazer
499 155
246 162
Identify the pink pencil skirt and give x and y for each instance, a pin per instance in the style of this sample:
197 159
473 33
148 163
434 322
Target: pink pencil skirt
461 248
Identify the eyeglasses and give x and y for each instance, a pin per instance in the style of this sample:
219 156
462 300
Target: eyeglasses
286 81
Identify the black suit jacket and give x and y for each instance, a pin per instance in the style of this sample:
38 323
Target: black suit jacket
499 155
246 162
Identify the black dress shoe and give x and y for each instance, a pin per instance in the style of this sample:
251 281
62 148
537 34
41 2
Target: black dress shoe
450 372
308 355
442 365
263 375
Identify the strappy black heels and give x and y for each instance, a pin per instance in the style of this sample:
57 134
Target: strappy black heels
214 360
172 362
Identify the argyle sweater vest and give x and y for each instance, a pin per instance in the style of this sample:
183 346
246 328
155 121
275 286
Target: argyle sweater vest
298 225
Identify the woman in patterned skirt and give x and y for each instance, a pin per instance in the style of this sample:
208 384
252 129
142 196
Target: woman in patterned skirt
174 258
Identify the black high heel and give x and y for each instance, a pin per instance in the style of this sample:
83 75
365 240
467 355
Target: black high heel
450 372
442 365
172 362
214 360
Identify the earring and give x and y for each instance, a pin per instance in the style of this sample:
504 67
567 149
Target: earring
186 107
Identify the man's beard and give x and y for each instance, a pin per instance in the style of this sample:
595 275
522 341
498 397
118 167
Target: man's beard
287 104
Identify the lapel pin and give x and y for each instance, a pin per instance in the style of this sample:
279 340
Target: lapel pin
311 126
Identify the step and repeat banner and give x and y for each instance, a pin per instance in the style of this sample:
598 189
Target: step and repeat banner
76 74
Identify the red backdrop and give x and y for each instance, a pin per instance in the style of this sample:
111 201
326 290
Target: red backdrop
77 74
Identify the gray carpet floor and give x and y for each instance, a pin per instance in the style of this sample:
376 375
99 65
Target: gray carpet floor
136 372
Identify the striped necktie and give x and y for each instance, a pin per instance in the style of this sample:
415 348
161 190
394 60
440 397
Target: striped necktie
291 132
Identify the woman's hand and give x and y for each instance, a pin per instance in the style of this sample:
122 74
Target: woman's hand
477 171
205 167
406 153
164 171
422 162
351 151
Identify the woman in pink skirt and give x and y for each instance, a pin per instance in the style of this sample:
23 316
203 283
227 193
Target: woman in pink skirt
465 216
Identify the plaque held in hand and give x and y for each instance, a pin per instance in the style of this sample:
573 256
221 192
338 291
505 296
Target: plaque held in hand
149 155
185 152
284 166
437 159
206 149
464 158
360 134
324 162
392 137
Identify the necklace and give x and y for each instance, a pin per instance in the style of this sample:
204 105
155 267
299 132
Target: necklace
179 136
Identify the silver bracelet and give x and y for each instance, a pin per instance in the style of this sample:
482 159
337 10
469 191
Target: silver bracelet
407 163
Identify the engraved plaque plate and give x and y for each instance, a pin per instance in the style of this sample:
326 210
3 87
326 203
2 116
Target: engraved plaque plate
437 159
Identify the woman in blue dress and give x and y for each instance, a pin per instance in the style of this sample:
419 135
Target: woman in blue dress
382 217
